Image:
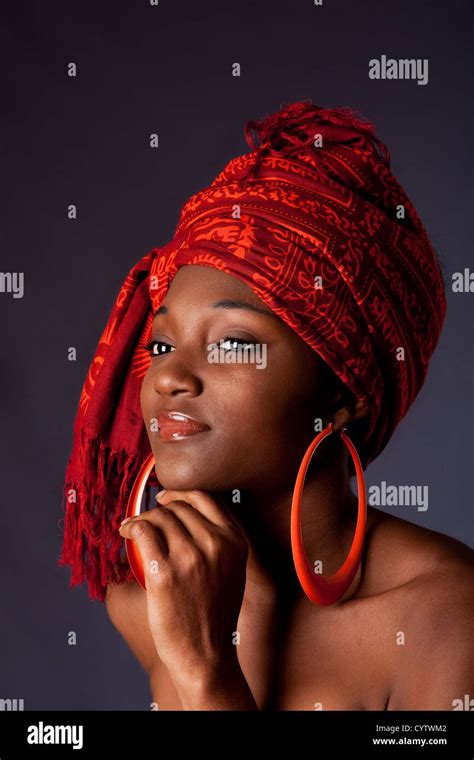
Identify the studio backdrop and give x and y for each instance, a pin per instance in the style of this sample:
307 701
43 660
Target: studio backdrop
113 115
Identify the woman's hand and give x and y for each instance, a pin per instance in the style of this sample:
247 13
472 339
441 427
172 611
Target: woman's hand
194 556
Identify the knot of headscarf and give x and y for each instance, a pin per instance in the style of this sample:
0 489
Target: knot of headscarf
316 224
296 127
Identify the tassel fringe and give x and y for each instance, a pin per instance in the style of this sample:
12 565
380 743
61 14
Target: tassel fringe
94 508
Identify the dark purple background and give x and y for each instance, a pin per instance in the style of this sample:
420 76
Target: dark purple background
167 69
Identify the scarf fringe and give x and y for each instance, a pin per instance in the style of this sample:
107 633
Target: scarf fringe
94 508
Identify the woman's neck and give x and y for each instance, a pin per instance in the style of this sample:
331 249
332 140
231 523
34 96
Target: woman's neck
329 515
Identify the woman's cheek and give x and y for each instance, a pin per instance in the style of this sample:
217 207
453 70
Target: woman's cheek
146 400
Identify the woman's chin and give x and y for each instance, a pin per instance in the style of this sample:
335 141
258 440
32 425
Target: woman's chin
185 469
178 479
184 478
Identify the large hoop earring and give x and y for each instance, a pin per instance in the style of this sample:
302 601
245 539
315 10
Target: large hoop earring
133 509
321 590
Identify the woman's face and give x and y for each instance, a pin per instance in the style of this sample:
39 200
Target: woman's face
260 418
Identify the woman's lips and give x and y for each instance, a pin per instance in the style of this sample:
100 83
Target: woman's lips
174 426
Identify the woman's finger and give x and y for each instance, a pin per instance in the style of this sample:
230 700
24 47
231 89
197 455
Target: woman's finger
169 528
203 503
197 523
211 510
153 553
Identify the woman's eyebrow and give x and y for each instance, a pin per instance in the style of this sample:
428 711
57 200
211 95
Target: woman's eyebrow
228 303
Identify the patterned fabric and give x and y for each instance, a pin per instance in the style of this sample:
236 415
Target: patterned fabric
316 224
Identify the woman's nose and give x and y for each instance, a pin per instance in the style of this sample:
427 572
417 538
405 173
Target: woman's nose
175 377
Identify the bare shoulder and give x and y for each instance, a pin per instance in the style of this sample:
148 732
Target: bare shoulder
126 607
401 553
429 579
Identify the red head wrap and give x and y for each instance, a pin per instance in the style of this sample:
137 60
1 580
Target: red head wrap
315 223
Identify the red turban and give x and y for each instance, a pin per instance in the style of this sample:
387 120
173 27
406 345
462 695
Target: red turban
315 223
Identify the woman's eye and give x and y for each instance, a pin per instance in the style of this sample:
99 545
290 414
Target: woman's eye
157 347
231 340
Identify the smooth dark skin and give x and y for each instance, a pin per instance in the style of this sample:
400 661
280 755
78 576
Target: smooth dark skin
293 654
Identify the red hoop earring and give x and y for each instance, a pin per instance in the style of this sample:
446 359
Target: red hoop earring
133 509
321 590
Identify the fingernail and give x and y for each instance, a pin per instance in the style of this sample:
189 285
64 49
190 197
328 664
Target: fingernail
127 519
160 493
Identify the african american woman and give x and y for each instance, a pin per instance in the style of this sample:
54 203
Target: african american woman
250 368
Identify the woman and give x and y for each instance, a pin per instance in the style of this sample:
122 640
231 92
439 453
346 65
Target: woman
306 265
